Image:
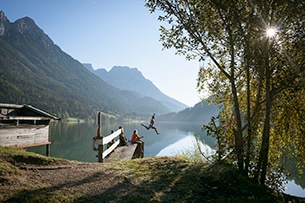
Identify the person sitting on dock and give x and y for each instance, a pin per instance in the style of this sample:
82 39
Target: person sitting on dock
135 139
151 124
123 139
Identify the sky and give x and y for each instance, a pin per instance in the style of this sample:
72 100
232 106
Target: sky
107 33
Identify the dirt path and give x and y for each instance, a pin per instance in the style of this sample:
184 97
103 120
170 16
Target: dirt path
68 179
158 179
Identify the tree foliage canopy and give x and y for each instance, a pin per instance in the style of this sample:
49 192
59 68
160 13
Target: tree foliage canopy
258 79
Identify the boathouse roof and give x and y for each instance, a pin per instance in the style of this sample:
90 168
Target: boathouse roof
13 112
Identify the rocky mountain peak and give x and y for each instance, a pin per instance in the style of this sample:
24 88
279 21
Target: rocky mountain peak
22 25
4 22
125 71
26 25
3 18
126 78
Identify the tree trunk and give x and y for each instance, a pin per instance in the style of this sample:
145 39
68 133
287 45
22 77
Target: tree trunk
249 129
238 130
263 155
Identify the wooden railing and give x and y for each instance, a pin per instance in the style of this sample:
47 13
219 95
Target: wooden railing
128 151
102 141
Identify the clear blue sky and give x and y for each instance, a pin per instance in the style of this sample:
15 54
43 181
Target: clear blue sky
107 33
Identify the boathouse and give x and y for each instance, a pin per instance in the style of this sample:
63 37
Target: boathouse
24 126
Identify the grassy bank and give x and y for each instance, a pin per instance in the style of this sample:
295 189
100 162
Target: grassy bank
27 177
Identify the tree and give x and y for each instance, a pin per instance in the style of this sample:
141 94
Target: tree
200 29
245 70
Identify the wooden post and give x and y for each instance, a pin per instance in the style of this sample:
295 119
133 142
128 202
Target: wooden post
48 146
100 146
139 151
142 152
48 150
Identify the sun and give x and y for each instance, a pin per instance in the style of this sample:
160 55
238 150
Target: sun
270 32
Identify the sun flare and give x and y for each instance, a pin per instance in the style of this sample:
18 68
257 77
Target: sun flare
270 32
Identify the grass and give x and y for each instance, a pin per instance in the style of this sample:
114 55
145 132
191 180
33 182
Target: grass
154 179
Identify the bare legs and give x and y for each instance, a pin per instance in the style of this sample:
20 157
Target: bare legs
147 128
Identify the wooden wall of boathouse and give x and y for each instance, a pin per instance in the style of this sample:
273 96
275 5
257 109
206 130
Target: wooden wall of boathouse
24 126
24 135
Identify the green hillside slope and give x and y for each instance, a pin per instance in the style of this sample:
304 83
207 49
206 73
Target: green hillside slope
34 70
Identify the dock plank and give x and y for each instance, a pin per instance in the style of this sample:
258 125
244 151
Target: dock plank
122 153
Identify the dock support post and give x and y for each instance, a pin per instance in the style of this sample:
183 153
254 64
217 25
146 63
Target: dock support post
100 153
48 146
139 151
48 150
100 146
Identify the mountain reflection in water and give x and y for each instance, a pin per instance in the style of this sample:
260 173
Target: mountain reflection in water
186 143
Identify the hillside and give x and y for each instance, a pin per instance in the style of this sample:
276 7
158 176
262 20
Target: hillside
26 177
131 79
35 71
200 113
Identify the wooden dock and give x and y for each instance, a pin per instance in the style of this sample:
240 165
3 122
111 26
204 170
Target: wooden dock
122 153
109 147
116 152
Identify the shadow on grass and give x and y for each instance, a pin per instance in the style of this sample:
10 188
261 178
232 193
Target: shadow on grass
182 182
159 180
53 193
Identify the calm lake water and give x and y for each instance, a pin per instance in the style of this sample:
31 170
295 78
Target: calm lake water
73 141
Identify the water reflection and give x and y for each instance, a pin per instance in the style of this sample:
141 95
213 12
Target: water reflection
74 140
294 189
185 144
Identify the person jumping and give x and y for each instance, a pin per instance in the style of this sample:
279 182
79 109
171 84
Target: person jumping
151 124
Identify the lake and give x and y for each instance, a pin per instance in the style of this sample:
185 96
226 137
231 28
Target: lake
73 141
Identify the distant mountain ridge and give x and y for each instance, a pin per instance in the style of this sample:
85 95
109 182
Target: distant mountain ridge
34 70
201 113
131 79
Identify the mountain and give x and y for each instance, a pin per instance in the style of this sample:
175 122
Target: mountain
34 70
131 79
201 113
